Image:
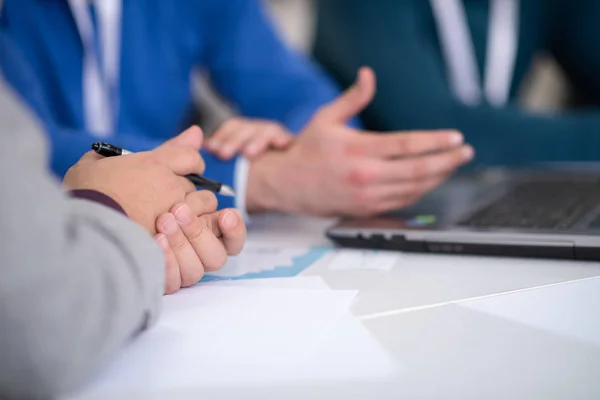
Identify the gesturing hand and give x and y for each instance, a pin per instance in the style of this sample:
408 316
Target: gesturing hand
332 169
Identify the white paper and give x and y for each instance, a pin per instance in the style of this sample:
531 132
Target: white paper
244 324
211 336
373 260
262 259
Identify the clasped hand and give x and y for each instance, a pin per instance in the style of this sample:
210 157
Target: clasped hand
151 189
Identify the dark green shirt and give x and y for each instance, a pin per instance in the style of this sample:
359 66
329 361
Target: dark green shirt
399 40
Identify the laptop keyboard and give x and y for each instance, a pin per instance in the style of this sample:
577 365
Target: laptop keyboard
551 205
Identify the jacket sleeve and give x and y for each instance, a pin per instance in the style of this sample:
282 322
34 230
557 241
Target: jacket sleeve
394 39
255 71
79 279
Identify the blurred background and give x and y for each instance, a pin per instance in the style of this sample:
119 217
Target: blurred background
546 88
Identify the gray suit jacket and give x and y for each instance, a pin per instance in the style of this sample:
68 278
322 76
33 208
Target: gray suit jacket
77 279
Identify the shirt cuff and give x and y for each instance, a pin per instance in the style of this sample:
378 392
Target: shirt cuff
97 197
242 170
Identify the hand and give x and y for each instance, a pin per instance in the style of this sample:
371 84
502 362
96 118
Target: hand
145 184
247 136
195 239
331 169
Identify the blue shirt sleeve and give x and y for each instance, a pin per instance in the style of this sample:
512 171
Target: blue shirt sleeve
68 145
252 68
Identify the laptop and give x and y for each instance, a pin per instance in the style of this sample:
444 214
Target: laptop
531 213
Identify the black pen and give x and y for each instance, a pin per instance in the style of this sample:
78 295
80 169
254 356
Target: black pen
109 150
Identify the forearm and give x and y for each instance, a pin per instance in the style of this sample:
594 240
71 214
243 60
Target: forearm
413 92
251 67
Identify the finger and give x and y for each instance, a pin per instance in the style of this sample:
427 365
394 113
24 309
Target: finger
202 234
228 226
172 276
435 164
235 142
283 139
233 231
371 172
223 131
378 198
257 146
353 100
404 144
201 202
273 135
191 269
412 189
187 185
191 137
181 160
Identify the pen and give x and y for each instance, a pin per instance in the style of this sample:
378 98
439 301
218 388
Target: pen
109 150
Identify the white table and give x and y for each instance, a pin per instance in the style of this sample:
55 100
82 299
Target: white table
460 327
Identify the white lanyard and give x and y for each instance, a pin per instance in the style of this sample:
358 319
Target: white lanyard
100 65
459 52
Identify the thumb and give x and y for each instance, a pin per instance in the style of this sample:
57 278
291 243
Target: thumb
192 137
353 100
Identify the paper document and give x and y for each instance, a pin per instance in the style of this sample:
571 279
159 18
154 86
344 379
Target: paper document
261 261
214 336
374 260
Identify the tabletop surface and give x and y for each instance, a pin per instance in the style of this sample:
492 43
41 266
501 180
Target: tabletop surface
467 327
459 327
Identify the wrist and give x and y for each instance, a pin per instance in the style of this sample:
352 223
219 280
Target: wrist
264 186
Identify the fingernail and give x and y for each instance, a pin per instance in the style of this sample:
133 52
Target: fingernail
214 145
230 220
170 225
162 242
456 138
468 153
183 215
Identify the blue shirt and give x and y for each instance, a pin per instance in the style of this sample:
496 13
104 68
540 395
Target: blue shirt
163 42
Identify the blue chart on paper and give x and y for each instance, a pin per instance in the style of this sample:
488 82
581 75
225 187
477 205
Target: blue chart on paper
298 264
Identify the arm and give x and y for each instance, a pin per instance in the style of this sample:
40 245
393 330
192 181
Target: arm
79 279
68 145
252 68
393 38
